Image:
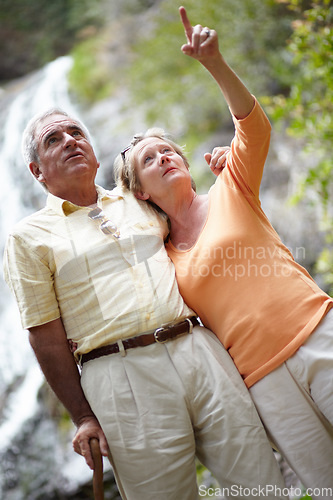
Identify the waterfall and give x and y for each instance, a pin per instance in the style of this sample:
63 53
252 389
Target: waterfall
18 367
44 89
53 465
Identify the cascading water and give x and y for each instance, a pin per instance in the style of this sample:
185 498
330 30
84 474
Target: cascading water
35 461
47 88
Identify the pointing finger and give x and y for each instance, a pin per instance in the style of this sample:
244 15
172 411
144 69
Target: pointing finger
186 23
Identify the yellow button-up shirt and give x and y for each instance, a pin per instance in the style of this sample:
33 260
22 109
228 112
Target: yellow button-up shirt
59 263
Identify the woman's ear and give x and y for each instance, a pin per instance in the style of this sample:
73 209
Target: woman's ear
36 172
142 196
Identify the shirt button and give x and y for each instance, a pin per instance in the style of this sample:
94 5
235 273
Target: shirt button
148 316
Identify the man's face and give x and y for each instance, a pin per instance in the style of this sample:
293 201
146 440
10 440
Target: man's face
66 157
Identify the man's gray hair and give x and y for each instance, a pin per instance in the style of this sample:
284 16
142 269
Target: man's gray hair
29 142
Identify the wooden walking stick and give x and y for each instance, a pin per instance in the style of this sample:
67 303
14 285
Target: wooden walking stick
98 469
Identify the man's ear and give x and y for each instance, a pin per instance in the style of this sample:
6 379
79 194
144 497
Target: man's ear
142 196
36 172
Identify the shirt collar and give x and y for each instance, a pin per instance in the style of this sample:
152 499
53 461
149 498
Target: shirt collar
65 207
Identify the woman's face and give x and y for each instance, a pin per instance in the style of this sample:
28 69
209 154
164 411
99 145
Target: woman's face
158 166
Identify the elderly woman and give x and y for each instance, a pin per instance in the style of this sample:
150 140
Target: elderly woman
234 271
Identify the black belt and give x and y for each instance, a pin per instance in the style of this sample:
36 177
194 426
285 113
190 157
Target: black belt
160 335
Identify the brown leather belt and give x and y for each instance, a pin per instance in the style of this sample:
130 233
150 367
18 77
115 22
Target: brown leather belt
160 335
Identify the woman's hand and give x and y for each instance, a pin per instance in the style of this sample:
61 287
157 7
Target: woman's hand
202 43
72 346
217 159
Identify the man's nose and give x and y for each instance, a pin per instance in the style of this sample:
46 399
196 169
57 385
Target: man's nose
69 140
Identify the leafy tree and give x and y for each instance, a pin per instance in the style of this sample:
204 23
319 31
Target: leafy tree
33 33
250 38
309 108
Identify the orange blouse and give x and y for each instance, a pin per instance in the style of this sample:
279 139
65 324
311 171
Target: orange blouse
239 277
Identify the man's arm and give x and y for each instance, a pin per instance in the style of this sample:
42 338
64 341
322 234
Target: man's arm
49 342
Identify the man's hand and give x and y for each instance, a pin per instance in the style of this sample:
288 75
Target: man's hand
87 429
202 42
217 159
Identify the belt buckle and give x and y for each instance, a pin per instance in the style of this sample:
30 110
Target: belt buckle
190 328
161 329
156 333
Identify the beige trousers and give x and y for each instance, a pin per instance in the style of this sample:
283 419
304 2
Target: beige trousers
161 405
295 402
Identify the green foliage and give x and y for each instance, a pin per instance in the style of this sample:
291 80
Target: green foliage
325 267
33 33
90 76
172 83
308 108
176 93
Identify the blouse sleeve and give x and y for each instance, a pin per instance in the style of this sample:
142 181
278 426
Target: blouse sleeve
249 149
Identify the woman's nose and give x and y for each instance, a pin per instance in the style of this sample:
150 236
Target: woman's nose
163 158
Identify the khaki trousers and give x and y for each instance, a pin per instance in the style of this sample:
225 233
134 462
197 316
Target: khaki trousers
295 402
161 405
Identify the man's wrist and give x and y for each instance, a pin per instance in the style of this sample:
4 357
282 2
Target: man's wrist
82 419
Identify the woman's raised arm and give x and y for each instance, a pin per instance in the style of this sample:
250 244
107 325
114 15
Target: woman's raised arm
202 44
